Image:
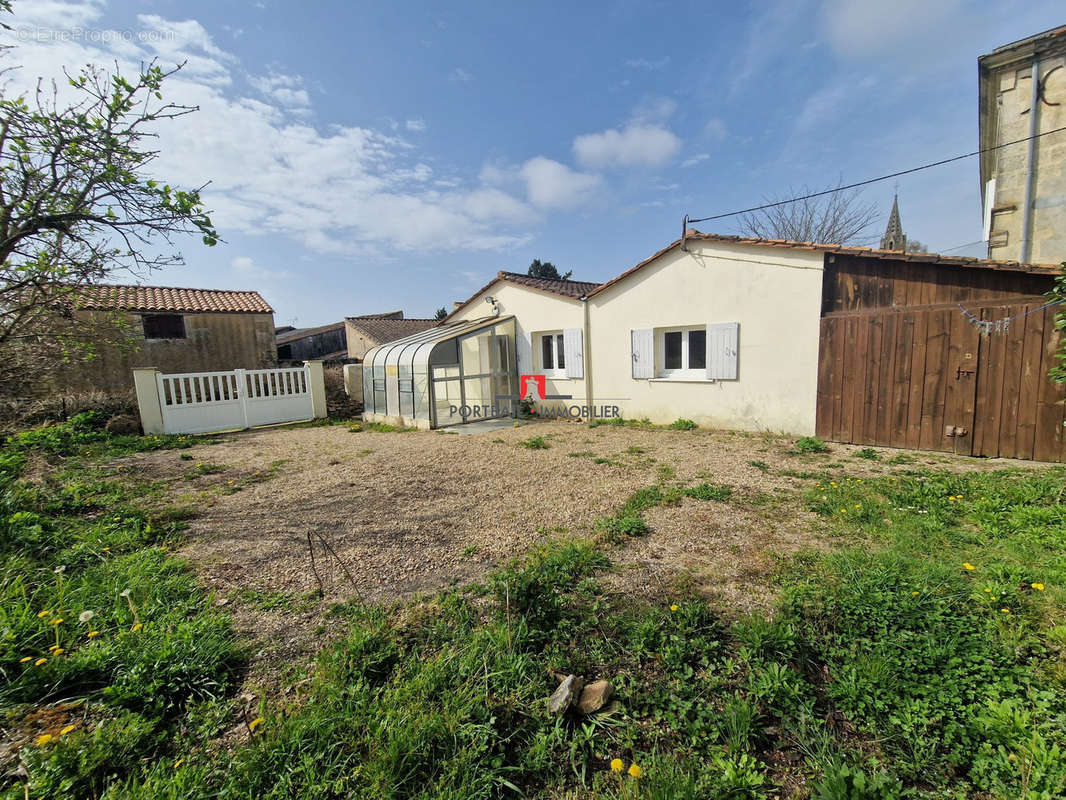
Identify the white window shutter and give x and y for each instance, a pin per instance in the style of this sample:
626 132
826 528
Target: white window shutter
722 347
575 354
524 353
642 346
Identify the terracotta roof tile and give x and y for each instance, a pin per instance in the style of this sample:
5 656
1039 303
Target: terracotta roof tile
572 289
565 288
106 297
933 259
388 329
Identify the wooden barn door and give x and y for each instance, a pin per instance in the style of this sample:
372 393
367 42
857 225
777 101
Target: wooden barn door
1019 411
927 380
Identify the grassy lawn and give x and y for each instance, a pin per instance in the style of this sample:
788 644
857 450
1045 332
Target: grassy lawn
921 657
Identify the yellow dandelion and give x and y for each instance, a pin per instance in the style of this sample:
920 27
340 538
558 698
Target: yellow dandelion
988 591
136 628
56 621
617 765
43 614
44 739
635 771
1005 610
93 634
966 565
179 762
843 511
66 730
58 651
914 594
40 662
674 607
117 519
1038 586
54 647
833 484
25 659
255 723
951 498
858 505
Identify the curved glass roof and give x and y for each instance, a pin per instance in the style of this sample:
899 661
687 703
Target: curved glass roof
414 350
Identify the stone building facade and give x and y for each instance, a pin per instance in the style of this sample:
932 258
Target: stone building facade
1024 185
174 329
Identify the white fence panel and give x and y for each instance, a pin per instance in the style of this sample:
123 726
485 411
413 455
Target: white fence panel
278 395
201 402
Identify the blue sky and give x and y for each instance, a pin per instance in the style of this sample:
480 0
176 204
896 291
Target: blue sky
367 156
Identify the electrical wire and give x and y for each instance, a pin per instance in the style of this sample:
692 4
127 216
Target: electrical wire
959 247
876 180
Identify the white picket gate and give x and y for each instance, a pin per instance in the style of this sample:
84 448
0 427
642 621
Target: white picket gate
200 402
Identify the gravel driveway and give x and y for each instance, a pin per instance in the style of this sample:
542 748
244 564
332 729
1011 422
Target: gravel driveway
412 512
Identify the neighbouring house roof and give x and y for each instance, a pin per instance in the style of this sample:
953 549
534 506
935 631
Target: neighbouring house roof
386 328
105 297
398 314
300 333
572 289
933 259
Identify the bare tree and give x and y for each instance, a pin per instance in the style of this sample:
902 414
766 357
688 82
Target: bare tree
840 217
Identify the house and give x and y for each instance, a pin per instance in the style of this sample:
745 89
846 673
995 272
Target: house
368 331
1024 185
325 342
174 329
853 344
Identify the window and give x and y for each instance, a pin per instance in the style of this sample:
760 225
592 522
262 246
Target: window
163 326
552 354
682 353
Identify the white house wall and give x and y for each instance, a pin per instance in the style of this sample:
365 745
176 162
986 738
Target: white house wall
775 296
535 312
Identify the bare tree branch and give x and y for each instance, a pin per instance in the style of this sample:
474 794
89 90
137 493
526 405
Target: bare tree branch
838 218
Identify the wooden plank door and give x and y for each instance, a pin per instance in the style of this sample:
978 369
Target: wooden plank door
960 397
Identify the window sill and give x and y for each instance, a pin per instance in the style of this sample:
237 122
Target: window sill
682 379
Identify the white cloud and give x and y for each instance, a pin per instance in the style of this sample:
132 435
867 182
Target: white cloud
460 75
692 161
342 189
869 28
823 105
654 110
416 125
634 145
248 269
286 90
57 14
550 184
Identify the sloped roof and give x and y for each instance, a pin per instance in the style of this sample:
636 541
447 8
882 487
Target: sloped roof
382 329
571 289
565 288
300 333
105 297
933 259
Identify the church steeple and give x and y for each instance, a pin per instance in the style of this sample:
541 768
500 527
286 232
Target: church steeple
894 239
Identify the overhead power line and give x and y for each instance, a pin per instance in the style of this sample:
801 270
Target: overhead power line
876 180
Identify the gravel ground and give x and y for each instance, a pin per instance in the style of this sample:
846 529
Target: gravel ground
413 512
